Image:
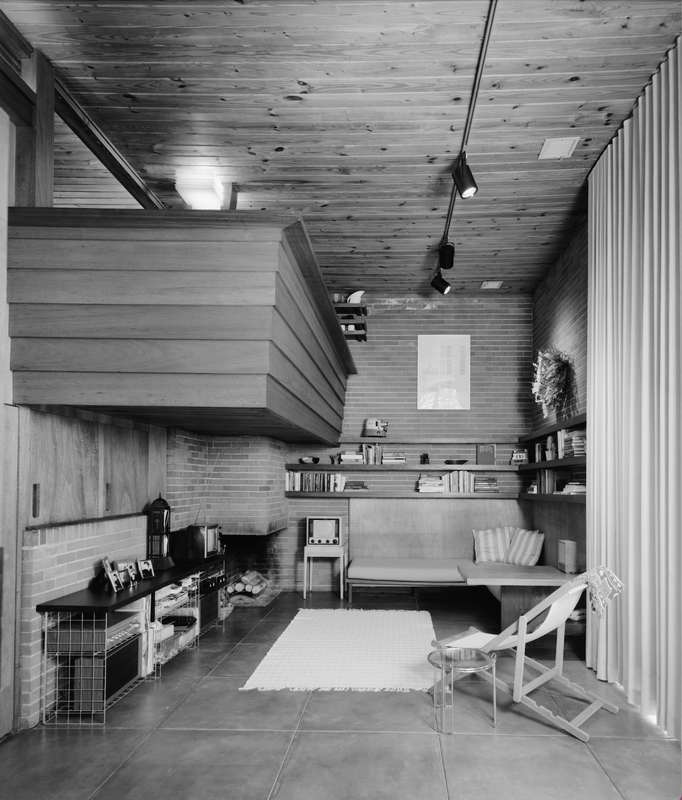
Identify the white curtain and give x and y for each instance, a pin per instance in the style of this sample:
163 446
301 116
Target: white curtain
634 506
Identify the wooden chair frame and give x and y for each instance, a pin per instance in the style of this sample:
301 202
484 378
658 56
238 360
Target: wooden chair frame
556 609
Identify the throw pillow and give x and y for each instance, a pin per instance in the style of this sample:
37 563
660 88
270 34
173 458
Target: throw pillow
524 549
491 545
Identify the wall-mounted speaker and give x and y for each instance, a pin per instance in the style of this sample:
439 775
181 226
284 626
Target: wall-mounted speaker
568 556
323 530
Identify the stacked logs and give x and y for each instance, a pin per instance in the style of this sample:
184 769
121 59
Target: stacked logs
250 583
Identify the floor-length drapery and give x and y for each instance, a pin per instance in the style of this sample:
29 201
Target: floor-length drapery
634 507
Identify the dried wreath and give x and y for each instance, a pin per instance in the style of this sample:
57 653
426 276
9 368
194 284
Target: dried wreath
553 380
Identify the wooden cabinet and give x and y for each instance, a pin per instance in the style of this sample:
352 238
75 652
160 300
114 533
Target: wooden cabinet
80 469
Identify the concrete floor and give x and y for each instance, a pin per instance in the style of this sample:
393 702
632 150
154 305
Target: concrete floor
192 735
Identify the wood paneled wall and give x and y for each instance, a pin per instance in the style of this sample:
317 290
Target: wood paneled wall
434 528
215 322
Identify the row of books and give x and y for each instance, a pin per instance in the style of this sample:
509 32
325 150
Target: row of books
372 454
321 482
571 442
457 482
315 482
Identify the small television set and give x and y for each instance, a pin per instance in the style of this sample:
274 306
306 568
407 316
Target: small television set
323 530
194 544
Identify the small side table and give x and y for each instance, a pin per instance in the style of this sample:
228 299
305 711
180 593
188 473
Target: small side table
445 664
313 551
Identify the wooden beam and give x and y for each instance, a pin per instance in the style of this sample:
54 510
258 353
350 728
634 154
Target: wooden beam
35 141
16 98
99 144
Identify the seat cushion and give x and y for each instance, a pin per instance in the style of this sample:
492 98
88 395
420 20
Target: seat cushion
417 570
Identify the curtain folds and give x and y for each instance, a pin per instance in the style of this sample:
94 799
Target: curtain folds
634 506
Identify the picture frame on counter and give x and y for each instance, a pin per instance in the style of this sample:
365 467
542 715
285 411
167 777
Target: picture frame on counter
145 568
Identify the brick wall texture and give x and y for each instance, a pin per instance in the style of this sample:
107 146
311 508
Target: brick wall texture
560 319
57 561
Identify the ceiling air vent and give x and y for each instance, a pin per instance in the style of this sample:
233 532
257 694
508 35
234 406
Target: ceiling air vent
559 148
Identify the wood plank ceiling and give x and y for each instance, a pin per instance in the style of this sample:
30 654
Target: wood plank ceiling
351 113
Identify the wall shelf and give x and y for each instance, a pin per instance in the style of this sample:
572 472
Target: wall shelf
402 495
558 463
352 315
401 468
453 440
580 499
572 422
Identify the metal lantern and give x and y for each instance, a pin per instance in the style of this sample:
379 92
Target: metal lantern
158 528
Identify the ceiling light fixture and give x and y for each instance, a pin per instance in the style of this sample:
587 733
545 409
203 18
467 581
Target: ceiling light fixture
440 284
491 285
200 189
463 179
446 256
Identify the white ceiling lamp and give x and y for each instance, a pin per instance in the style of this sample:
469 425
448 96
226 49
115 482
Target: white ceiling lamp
558 148
200 189
491 285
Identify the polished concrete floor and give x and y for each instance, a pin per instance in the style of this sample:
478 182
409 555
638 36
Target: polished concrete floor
192 735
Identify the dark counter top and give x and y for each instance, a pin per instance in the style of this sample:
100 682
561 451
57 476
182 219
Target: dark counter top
103 599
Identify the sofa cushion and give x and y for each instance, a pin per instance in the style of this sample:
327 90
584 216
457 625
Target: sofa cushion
525 548
417 570
491 545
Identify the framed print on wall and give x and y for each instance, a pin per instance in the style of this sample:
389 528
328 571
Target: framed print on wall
443 372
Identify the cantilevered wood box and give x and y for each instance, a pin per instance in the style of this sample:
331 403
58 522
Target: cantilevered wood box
215 322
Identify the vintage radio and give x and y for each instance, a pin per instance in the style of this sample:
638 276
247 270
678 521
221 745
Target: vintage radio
323 530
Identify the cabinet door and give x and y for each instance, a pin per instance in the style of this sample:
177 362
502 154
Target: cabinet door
125 470
64 469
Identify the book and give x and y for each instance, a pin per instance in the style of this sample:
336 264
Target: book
486 453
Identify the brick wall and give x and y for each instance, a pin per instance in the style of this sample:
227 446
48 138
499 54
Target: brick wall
560 319
56 561
501 328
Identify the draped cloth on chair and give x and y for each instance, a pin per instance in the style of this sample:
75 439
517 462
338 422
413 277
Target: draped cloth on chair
634 506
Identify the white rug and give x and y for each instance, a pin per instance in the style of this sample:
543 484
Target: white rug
348 649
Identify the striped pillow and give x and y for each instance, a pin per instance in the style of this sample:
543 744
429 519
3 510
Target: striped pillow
525 548
491 545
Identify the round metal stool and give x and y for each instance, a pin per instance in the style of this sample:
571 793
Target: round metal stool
446 664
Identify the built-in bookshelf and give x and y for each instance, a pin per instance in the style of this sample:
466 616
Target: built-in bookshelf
446 481
556 462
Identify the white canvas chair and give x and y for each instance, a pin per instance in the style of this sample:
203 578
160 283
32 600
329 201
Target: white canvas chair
547 616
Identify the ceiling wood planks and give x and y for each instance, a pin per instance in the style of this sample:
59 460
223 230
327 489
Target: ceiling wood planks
351 115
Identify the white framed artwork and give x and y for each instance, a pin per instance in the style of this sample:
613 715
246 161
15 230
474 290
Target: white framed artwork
443 372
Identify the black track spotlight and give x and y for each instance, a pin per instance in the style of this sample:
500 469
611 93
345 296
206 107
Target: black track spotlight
446 256
464 179
440 284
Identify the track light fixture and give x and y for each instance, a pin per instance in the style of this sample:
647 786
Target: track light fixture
464 179
440 284
446 256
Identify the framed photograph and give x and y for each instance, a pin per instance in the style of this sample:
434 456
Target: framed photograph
129 566
115 580
145 568
125 577
106 564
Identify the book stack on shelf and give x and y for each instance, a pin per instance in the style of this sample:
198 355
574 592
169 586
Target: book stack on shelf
372 453
393 458
574 487
355 486
431 483
572 443
351 457
485 485
315 482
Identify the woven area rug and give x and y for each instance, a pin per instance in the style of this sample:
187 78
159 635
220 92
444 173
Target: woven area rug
349 649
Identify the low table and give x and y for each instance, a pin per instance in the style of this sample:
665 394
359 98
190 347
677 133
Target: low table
521 587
